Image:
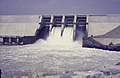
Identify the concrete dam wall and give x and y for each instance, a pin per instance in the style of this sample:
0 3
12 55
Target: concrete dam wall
15 28
18 25
105 29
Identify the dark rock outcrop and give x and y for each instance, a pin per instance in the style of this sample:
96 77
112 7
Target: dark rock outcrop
118 64
89 42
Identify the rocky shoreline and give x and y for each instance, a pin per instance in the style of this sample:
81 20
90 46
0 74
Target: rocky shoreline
89 42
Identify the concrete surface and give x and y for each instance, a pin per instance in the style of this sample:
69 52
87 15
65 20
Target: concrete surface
18 25
99 25
18 29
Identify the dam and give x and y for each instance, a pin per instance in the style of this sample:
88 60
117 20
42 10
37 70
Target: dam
96 30
54 46
27 29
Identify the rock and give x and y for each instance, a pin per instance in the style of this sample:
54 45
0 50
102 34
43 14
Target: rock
111 70
106 73
118 63
81 74
89 74
96 75
89 42
66 75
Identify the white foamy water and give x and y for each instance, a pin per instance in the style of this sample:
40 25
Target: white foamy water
53 57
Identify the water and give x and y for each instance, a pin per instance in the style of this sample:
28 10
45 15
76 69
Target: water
52 57
66 39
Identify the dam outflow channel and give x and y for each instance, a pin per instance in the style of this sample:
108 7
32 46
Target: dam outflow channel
59 55
52 57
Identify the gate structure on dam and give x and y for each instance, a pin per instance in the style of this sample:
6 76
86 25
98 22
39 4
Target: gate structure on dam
76 22
27 29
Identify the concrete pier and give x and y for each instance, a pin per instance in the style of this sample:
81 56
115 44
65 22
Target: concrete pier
10 40
62 26
74 27
6 40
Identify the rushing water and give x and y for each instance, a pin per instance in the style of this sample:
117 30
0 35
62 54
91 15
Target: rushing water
52 57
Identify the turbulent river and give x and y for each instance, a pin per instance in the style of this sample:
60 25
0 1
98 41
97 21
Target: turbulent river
54 57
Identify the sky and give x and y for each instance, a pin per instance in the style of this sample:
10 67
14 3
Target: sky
32 7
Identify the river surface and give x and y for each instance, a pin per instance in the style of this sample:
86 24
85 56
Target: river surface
52 57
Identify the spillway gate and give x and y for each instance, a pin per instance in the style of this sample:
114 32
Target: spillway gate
76 22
